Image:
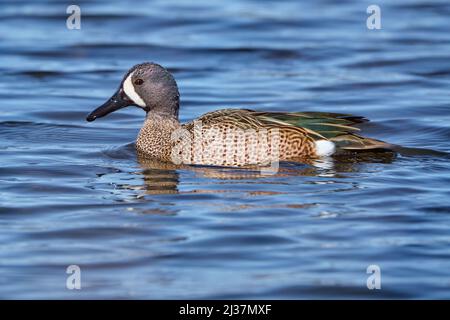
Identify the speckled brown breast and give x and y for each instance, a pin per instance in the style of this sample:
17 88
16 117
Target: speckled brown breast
229 145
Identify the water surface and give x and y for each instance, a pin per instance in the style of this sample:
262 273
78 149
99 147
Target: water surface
73 192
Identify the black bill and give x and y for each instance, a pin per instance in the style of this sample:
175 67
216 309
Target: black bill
118 101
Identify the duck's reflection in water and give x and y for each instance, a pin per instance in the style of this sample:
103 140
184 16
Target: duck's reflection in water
164 178
159 177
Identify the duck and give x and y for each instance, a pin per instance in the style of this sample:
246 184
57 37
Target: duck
228 137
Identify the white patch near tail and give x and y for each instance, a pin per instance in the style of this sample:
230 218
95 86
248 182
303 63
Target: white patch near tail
325 148
131 93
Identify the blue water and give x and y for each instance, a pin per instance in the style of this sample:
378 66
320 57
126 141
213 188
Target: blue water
75 193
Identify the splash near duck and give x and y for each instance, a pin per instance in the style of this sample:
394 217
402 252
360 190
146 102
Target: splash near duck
228 137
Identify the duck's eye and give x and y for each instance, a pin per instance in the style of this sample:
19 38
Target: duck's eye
138 82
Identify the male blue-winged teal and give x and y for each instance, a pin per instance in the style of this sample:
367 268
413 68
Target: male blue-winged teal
227 137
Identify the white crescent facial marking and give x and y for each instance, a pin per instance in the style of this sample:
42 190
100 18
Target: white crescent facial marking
131 93
325 148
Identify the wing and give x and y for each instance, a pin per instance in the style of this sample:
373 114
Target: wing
335 127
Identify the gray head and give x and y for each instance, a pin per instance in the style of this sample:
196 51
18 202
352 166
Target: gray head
148 86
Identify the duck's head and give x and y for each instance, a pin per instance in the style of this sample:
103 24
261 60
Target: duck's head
148 86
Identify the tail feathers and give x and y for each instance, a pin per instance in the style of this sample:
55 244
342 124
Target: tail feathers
339 129
330 131
359 143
